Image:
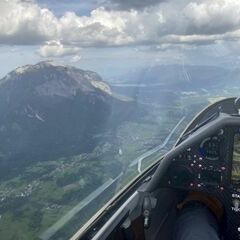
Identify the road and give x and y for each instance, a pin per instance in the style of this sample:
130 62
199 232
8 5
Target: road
138 161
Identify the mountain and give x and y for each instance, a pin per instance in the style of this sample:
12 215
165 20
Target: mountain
165 84
182 77
48 110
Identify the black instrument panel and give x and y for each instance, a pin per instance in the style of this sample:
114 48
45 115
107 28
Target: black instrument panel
206 158
203 166
212 166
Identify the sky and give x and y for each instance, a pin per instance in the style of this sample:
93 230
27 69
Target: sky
116 36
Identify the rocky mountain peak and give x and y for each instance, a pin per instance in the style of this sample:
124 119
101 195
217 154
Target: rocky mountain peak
53 79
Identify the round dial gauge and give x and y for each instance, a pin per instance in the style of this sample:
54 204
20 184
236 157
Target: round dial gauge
210 148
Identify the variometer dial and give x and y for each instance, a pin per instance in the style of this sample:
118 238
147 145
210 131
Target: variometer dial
210 148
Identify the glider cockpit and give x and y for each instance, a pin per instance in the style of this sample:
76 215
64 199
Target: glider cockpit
205 159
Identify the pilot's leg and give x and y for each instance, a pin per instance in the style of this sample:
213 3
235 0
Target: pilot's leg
197 220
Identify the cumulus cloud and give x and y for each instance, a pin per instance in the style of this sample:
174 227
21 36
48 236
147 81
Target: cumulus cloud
76 58
24 22
56 49
212 17
174 22
101 28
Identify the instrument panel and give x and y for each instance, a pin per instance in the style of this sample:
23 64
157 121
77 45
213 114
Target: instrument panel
206 158
202 166
212 166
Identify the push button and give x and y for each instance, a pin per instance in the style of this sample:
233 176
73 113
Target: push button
236 205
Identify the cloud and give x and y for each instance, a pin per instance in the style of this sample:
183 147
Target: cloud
24 22
173 22
212 17
76 58
56 49
135 4
101 28
14 49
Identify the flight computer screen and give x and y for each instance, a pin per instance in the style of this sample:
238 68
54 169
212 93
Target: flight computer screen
236 159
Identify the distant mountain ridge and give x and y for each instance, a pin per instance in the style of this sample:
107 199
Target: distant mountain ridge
47 110
182 77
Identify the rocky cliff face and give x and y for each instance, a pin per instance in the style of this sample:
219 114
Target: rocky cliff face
48 111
